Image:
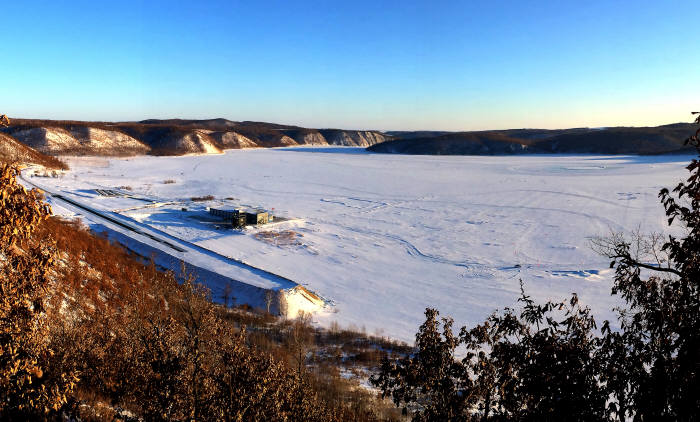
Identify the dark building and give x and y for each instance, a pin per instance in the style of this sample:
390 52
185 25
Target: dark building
257 217
226 213
239 218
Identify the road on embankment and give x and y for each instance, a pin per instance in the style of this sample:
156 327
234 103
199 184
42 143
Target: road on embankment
216 271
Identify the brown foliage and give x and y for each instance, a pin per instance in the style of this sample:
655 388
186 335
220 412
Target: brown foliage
143 343
27 384
162 350
655 358
202 198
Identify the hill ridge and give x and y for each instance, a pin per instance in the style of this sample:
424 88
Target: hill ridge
174 136
613 140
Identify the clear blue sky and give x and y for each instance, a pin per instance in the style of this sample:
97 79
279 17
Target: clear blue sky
354 64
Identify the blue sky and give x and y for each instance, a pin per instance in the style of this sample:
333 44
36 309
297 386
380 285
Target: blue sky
446 65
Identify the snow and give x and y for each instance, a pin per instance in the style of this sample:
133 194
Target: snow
382 237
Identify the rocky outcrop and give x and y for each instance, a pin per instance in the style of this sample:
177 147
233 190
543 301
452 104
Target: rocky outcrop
313 138
232 140
193 142
285 141
356 138
274 140
306 136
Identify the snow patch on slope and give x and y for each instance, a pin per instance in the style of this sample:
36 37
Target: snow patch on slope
81 141
197 142
233 140
108 142
47 140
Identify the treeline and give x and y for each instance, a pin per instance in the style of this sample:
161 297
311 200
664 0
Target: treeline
615 140
550 362
88 332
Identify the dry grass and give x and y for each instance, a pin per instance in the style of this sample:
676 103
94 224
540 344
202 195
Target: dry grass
100 273
337 358
202 198
280 238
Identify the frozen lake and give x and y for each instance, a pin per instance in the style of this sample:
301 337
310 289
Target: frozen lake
384 236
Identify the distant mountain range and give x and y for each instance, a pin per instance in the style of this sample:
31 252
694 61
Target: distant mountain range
173 136
616 140
36 140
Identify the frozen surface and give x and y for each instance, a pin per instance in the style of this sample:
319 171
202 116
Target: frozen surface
382 237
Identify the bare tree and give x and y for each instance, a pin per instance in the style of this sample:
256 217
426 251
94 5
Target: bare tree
269 298
300 339
226 294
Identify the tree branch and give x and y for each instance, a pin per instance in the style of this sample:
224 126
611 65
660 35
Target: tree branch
650 267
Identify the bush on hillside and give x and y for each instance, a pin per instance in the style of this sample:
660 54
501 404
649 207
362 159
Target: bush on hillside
28 385
142 343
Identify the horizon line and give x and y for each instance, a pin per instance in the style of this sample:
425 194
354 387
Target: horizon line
338 128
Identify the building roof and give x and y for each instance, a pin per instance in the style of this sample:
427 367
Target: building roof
230 209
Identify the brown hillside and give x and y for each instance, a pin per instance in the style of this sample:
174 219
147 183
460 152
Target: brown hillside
62 137
463 143
171 140
617 140
174 136
306 136
232 140
13 151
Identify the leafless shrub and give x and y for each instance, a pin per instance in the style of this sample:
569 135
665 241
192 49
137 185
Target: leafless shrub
270 296
202 198
280 238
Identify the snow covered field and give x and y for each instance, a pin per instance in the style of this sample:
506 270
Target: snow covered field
381 237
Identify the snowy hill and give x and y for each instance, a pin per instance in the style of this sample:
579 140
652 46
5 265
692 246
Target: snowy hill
174 136
77 140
